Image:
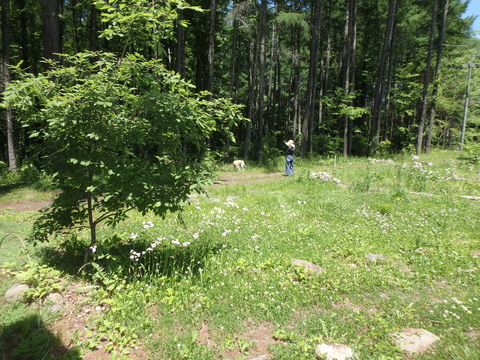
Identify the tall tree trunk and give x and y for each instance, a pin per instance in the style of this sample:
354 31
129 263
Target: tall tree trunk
312 77
251 98
441 37
93 31
6 41
352 60
76 39
51 28
326 65
380 88
345 72
271 83
232 91
211 48
261 80
426 80
296 81
180 53
24 43
348 69
388 118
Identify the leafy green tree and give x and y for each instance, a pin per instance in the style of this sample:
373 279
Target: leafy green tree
117 133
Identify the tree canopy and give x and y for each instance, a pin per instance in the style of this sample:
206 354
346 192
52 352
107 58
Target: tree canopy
115 135
393 59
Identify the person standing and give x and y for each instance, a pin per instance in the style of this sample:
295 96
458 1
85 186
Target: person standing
289 161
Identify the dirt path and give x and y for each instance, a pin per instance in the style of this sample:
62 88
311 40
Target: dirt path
24 205
232 178
242 177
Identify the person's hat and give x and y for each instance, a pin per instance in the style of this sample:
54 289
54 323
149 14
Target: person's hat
290 143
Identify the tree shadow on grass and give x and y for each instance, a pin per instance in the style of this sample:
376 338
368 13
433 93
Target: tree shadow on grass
29 338
5 189
130 260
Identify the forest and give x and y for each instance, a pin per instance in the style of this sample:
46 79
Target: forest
346 77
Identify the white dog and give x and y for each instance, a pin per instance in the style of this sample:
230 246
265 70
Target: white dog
239 165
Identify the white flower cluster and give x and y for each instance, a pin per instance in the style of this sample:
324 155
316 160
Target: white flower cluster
231 203
184 244
147 224
458 307
135 255
155 244
381 161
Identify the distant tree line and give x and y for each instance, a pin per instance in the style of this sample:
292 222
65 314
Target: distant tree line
350 77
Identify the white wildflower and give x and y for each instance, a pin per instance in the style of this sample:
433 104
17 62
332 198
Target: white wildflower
147 224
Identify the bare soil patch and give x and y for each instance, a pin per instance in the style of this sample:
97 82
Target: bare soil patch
243 178
25 205
257 340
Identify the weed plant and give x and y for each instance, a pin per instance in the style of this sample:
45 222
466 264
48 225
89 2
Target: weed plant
226 262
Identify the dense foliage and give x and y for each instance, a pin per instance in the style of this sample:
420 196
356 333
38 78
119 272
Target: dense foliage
115 135
341 76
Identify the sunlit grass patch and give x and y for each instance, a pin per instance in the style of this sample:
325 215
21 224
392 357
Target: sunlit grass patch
249 238
396 247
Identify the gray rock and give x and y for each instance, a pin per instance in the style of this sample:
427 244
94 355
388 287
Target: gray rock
324 176
56 298
55 308
334 352
415 341
373 257
260 357
16 292
306 265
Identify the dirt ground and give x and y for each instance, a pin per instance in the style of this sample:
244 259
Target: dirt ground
25 205
241 178
229 178
77 316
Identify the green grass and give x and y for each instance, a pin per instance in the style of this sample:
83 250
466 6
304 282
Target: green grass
226 262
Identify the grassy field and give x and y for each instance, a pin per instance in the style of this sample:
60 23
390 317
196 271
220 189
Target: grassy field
217 281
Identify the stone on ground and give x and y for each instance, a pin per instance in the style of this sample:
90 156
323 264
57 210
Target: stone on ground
415 341
306 265
15 292
334 352
373 257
